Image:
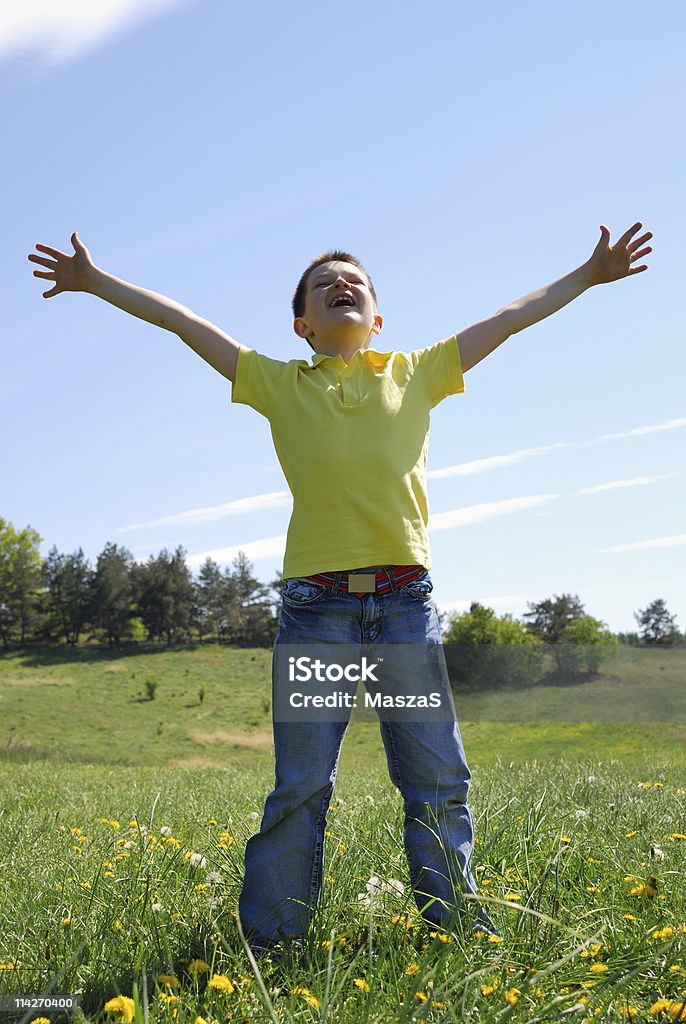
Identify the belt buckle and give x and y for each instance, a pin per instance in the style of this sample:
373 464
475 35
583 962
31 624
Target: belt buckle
362 582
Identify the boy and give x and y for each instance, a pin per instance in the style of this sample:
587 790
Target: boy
351 434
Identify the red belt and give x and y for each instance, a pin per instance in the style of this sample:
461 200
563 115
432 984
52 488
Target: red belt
370 582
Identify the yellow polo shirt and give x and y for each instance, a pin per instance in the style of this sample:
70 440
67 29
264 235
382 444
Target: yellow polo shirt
352 441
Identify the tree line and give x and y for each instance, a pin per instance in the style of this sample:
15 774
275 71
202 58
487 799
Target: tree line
65 598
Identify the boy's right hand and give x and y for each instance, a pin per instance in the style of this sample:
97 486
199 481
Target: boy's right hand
70 273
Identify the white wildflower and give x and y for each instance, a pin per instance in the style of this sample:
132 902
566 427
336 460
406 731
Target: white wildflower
591 779
376 889
165 830
196 860
214 878
656 852
580 814
254 815
158 908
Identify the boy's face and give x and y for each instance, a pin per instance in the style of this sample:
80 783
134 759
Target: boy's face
340 314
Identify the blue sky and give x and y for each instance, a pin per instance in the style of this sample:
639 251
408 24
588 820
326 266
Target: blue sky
467 155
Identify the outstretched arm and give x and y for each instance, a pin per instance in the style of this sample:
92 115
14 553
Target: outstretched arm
607 263
78 273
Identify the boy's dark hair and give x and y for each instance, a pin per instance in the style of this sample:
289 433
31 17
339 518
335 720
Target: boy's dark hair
334 254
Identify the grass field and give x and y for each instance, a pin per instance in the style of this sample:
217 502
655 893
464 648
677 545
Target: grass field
124 821
90 706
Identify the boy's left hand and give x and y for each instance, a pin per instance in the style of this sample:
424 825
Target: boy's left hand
611 262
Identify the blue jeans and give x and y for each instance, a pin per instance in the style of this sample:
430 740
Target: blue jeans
426 761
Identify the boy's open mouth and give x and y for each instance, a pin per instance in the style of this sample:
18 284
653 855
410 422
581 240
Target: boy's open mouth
342 300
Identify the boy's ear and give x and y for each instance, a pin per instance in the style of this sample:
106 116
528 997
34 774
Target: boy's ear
300 328
378 324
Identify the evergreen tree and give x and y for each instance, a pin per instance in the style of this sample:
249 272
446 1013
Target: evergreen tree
657 625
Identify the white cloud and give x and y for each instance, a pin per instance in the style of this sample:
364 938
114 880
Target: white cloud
636 431
59 32
494 461
635 481
510 458
240 506
267 547
675 540
488 510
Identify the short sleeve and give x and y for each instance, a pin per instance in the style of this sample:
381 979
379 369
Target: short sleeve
440 367
257 380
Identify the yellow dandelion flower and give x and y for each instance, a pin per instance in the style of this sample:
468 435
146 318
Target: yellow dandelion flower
198 967
220 983
200 1020
200 886
659 1006
66 921
592 888
629 835
329 879
628 1012
565 839
512 896
592 950
169 1000
678 835
117 926
630 917
438 1006
421 997
326 944
307 996
9 967
599 968
361 983
589 984
488 990
677 1010
211 821
648 891
663 933
122 1005
495 938
412 969
675 968
538 992
169 980
512 995
40 1020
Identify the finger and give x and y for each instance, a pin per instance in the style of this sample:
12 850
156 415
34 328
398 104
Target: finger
44 273
637 270
50 251
53 291
627 234
641 254
639 241
43 262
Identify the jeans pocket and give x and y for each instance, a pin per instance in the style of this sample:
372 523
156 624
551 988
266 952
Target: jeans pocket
420 589
298 591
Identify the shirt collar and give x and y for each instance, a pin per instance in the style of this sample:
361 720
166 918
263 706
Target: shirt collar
369 354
